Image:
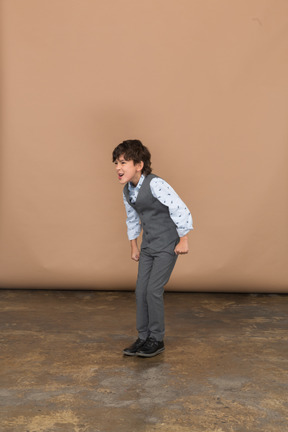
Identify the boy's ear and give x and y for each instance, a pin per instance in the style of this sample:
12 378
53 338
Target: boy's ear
141 165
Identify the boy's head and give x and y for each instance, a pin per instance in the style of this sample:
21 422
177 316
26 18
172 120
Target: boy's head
134 150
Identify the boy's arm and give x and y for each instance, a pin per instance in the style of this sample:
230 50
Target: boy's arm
133 229
178 211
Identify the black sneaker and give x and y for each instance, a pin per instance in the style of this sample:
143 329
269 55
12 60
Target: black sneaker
151 348
132 349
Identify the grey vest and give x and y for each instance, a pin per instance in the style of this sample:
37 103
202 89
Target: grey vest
159 231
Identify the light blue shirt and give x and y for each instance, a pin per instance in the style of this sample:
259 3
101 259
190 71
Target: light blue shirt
161 190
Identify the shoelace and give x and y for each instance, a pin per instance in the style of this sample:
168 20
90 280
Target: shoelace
150 342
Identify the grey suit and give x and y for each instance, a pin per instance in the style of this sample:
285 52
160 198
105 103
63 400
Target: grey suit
157 260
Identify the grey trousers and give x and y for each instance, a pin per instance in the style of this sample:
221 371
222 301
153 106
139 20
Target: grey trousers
154 272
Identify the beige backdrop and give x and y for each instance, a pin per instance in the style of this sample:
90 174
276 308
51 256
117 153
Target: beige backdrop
204 84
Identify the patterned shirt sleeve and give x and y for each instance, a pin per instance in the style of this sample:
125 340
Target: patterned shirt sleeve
132 221
179 212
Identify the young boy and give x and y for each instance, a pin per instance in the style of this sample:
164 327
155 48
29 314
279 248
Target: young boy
152 205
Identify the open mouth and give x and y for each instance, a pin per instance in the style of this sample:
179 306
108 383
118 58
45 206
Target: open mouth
120 176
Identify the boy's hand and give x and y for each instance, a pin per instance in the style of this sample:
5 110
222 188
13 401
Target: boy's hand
182 247
135 254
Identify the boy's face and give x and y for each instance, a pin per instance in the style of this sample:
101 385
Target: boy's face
127 171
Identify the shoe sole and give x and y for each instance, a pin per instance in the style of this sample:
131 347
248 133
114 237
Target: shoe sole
139 354
129 354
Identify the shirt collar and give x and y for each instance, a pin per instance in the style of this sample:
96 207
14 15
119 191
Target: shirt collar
132 188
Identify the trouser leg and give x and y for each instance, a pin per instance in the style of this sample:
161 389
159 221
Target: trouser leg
142 316
163 264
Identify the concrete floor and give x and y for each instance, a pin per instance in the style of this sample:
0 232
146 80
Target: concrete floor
224 369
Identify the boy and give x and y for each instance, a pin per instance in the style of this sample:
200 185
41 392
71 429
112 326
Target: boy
153 205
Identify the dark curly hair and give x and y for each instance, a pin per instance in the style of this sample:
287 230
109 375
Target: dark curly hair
136 151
